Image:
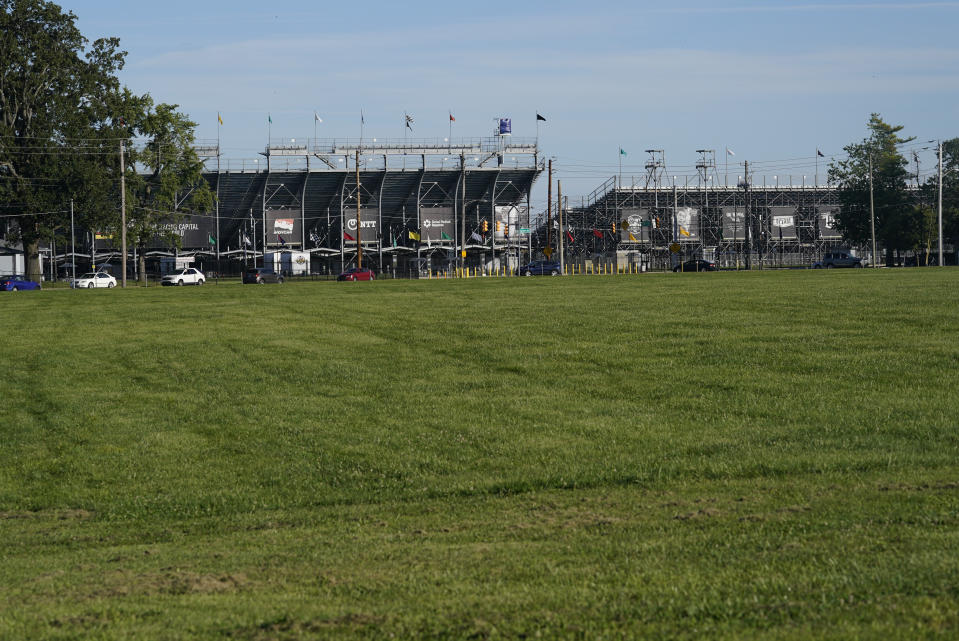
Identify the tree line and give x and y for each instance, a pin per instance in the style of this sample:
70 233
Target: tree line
904 208
63 117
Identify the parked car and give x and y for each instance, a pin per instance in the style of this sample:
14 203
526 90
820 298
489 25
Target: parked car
838 259
16 283
94 279
696 266
261 275
187 276
541 268
357 273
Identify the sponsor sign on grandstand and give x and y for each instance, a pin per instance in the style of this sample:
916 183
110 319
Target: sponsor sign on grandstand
734 224
827 225
285 224
367 231
193 232
436 225
517 217
782 223
687 223
634 230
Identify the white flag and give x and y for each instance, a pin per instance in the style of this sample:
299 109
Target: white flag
246 240
730 151
316 117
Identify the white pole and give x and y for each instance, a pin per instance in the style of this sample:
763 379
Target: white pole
940 204
123 218
73 243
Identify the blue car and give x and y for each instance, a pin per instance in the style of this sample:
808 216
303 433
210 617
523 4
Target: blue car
541 268
16 283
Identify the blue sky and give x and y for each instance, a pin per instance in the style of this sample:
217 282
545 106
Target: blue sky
773 81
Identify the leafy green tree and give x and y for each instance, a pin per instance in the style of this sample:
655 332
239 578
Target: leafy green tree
57 122
897 219
167 181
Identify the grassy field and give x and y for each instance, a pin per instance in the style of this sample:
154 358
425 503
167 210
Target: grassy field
765 455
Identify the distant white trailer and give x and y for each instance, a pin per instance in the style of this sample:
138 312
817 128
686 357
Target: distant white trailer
288 263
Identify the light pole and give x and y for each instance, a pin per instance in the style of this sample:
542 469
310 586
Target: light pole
872 213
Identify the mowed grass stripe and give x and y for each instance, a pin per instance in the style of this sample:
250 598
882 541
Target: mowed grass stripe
728 455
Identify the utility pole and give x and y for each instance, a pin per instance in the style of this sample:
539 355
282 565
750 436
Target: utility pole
559 216
940 204
549 204
73 244
462 258
749 219
359 228
872 212
123 218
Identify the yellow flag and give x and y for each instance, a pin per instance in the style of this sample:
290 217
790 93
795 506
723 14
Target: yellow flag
219 118
414 235
631 237
682 230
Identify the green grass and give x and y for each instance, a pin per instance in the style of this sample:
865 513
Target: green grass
765 455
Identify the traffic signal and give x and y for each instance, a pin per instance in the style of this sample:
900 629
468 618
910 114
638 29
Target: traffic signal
499 225
485 225
505 229
614 228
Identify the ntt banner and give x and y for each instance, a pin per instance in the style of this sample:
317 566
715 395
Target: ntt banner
367 232
282 227
782 223
436 225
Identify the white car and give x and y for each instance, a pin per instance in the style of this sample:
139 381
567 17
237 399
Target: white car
187 276
90 280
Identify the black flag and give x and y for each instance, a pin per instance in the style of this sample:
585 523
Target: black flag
539 117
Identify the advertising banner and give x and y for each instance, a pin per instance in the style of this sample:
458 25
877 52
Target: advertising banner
436 225
687 223
782 223
367 234
194 232
517 217
282 224
734 223
505 126
637 227
827 224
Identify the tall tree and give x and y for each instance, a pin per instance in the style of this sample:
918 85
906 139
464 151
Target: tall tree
897 219
57 120
165 181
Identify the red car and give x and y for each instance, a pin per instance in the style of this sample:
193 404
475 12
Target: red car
357 274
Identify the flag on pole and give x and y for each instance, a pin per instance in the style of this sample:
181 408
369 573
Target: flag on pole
316 117
682 230
452 119
211 239
476 237
730 152
315 238
444 236
539 117
409 121
246 240
622 152
820 154
414 235
219 118
597 233
282 241
269 118
362 119
631 237
569 235
347 236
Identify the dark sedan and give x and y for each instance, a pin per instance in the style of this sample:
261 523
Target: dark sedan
261 275
357 273
695 266
541 268
16 284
